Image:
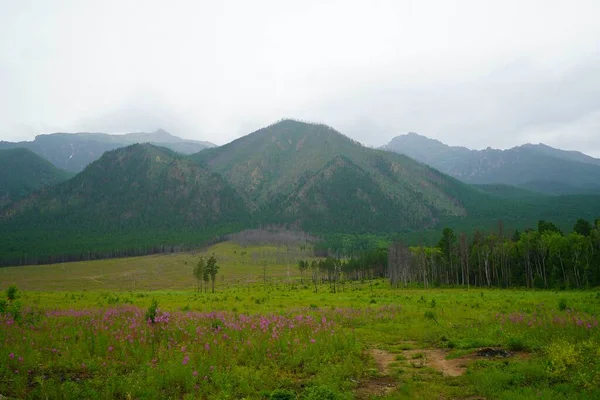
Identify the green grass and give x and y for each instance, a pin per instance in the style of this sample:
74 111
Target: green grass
158 272
87 338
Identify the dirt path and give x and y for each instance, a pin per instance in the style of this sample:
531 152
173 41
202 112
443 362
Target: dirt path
383 384
383 359
436 359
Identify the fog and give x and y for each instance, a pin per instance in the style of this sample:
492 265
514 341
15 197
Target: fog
470 73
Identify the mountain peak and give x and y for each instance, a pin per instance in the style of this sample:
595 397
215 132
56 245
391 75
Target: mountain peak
538 167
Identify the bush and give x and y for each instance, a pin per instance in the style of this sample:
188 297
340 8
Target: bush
14 309
282 394
151 312
562 304
12 293
516 344
319 393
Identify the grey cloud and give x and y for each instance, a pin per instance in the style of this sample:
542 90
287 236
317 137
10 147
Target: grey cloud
468 73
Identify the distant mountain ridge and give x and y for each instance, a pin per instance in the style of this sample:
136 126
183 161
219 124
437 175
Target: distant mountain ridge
538 167
74 151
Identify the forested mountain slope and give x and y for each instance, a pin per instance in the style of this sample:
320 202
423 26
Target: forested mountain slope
145 198
22 172
312 174
142 192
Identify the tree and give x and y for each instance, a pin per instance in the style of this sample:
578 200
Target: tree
314 266
546 226
447 246
212 269
199 271
583 227
302 266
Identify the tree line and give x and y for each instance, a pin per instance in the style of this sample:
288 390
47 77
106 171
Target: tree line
543 257
535 258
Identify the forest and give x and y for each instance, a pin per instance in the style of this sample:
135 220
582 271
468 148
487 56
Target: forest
542 258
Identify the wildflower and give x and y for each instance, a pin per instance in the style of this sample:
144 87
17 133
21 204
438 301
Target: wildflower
195 373
186 359
313 341
11 355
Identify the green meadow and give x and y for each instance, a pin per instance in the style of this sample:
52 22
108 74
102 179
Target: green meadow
138 328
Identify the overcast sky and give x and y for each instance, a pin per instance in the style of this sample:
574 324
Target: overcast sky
472 73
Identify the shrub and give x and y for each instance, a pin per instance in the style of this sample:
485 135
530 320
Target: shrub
562 304
319 393
282 394
151 312
562 357
12 293
516 344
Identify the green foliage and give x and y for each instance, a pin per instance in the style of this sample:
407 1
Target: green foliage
582 227
282 394
12 293
211 270
562 304
319 393
151 311
199 271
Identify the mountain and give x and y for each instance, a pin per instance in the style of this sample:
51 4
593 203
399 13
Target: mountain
137 197
74 151
22 172
507 191
312 175
535 167
144 198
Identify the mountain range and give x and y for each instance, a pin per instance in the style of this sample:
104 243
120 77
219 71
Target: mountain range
74 151
539 168
138 198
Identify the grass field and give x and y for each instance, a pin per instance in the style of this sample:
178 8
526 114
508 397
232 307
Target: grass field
85 330
157 272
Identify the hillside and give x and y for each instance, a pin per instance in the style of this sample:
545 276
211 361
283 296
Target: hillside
22 172
144 199
74 151
313 175
507 191
141 194
535 167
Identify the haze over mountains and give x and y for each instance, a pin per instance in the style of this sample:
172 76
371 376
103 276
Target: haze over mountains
538 167
144 197
74 151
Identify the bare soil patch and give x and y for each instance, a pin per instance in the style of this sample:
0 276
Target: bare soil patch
436 359
375 387
383 359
